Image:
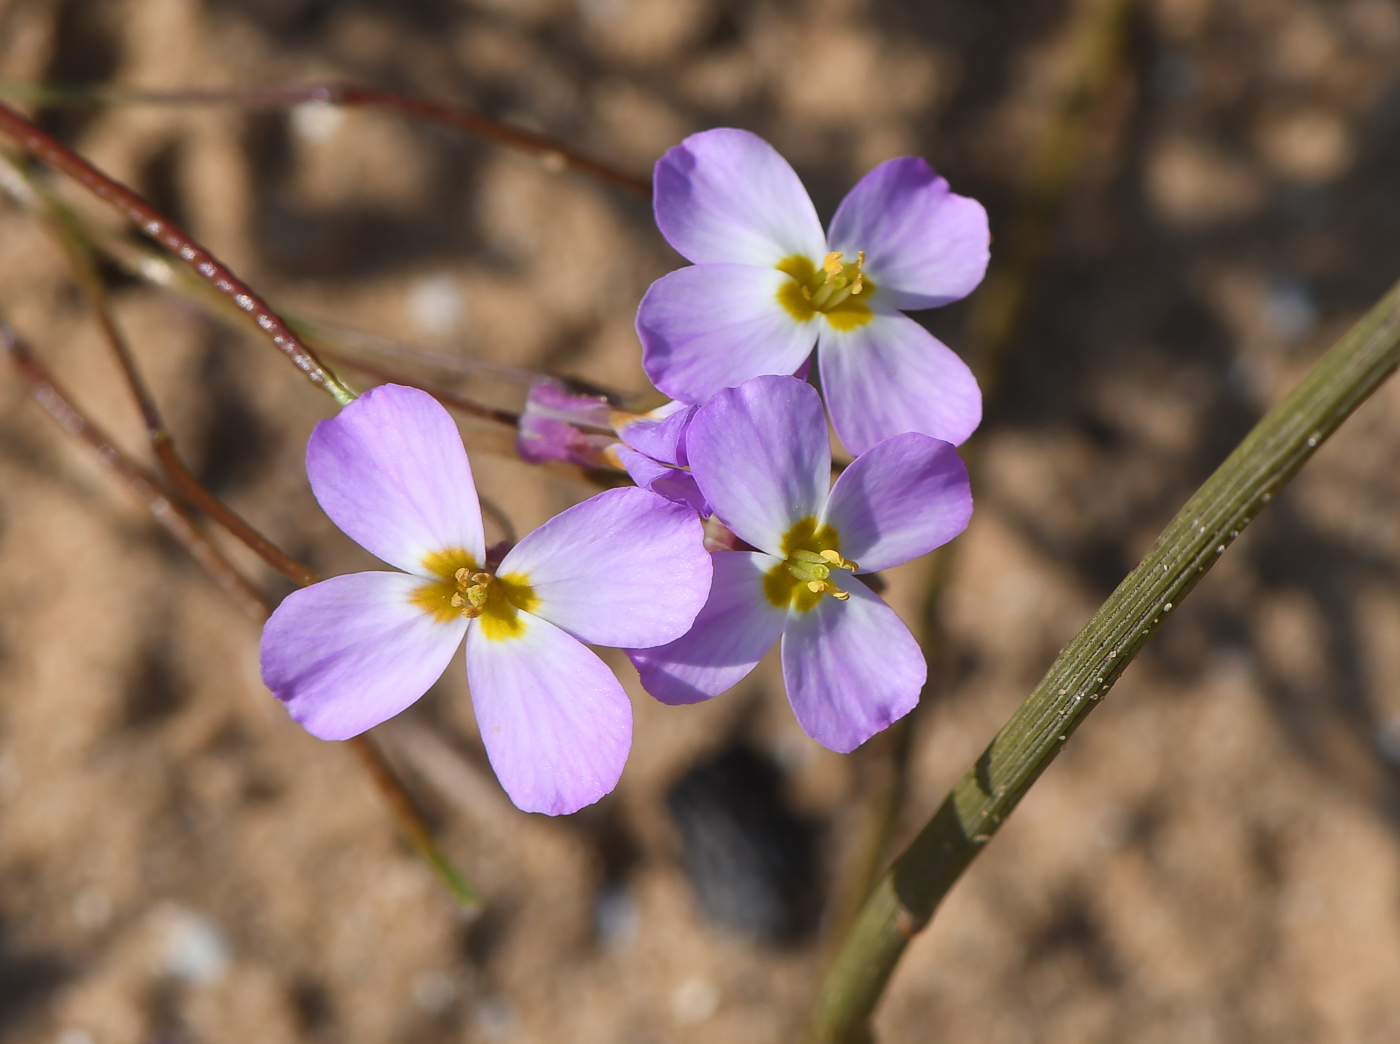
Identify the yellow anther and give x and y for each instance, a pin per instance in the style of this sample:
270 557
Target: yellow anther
832 265
481 578
461 575
837 561
458 601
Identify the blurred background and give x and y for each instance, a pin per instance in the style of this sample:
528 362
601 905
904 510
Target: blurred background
1191 200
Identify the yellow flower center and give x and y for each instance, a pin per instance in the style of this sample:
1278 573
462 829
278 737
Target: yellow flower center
467 590
810 553
838 290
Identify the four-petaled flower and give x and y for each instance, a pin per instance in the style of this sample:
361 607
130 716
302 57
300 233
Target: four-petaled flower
625 568
761 456
766 283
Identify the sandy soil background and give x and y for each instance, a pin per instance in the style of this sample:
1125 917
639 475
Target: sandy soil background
1214 857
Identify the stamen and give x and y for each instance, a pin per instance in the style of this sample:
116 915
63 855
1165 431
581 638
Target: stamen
832 265
838 562
473 592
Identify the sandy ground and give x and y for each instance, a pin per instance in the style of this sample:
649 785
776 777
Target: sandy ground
1215 856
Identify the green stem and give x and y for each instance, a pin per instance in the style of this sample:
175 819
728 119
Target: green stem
904 899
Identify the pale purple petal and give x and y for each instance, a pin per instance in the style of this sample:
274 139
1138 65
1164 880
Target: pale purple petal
549 397
898 500
851 668
924 245
659 434
353 651
555 722
733 632
539 439
625 568
671 483
710 327
891 376
725 195
761 456
389 469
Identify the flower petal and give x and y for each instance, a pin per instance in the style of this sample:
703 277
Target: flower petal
898 500
891 376
672 483
389 469
761 455
353 651
659 434
624 568
710 327
726 195
733 632
851 668
555 721
924 245
539 439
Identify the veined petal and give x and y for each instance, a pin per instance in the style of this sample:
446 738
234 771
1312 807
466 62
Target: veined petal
725 195
851 668
898 500
539 439
624 568
924 245
891 376
761 455
556 723
714 326
659 434
353 651
733 632
389 469
672 483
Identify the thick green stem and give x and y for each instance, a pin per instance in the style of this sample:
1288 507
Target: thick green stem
906 897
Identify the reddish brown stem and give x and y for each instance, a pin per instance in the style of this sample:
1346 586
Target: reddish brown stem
147 490
162 442
456 402
45 147
552 153
145 487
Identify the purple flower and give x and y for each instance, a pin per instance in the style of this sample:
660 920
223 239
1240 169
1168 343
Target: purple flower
625 568
766 284
558 424
761 456
552 426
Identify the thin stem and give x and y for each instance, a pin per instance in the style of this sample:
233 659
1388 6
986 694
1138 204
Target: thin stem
1000 304
997 312
162 442
45 147
905 898
457 402
411 822
180 524
552 154
145 487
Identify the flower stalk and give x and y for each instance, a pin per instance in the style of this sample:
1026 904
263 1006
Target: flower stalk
147 489
906 897
36 143
553 154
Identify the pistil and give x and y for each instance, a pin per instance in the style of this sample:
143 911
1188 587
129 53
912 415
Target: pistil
838 289
814 570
